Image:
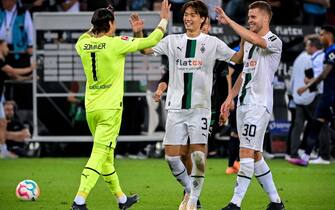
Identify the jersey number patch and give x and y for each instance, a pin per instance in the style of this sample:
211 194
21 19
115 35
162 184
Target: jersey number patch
249 130
94 67
204 120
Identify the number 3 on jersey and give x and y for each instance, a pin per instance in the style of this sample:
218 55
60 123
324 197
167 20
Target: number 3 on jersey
94 67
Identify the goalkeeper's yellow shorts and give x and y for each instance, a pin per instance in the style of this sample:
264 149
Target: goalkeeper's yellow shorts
105 125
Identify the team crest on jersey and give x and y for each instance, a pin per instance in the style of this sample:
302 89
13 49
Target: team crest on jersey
202 49
125 38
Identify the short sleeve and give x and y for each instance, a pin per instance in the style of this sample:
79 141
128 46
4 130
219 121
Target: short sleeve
273 44
78 44
126 44
223 52
78 48
162 47
330 57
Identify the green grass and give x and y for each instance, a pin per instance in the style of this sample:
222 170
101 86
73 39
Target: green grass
300 188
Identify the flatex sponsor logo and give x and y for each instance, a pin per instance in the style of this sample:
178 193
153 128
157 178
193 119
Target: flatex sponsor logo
189 64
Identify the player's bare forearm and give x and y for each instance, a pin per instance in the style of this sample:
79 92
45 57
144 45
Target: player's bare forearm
244 33
247 35
229 78
322 76
237 86
316 80
238 57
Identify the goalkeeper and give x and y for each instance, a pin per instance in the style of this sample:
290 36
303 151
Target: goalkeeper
103 57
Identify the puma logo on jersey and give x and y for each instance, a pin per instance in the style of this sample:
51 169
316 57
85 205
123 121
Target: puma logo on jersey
180 48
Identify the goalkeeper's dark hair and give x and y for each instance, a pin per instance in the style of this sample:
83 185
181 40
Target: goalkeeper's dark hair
100 20
199 7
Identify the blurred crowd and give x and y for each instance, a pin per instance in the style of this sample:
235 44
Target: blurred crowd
286 12
16 33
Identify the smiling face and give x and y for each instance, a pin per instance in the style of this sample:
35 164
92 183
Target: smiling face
257 19
192 20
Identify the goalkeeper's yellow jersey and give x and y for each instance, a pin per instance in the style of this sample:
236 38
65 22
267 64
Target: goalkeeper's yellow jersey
103 60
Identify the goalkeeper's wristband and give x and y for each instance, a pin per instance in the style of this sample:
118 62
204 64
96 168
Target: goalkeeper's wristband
163 24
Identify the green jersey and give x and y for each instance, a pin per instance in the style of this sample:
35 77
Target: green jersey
103 59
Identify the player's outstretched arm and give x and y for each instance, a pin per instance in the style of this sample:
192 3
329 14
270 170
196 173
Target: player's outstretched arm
244 33
155 35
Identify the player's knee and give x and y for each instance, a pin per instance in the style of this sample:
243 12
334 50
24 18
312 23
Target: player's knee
198 162
247 166
175 164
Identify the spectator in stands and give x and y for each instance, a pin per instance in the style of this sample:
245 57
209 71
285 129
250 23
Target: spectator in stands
17 134
6 71
35 5
285 12
308 64
16 28
314 12
69 5
237 10
326 105
138 5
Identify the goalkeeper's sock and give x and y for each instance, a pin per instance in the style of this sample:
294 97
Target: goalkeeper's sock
264 177
80 200
243 180
121 197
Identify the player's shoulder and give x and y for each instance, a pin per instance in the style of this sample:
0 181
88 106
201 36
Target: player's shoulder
84 37
330 49
272 37
175 37
121 39
330 53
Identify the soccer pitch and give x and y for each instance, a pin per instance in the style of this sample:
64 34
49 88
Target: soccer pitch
311 188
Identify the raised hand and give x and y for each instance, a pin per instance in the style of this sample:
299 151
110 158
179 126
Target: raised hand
165 10
222 17
137 24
